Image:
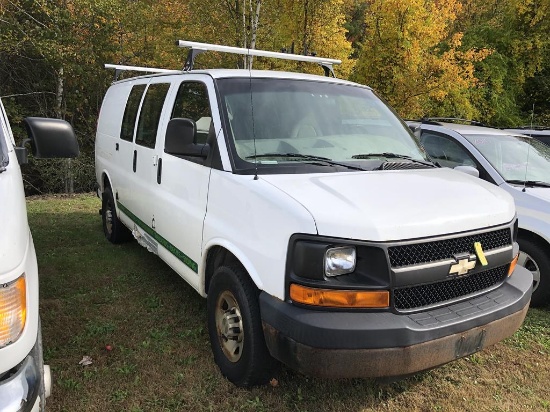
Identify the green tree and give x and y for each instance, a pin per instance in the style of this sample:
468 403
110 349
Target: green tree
410 55
517 32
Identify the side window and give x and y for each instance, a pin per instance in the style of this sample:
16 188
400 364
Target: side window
446 151
149 116
130 112
192 103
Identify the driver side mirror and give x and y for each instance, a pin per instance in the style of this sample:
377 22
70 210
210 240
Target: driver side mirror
49 138
181 135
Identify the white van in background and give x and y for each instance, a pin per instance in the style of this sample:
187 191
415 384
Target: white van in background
25 381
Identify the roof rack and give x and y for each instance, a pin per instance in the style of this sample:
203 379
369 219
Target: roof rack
120 68
452 120
197 48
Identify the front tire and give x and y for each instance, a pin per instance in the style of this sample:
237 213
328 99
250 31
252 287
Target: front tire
534 258
113 228
235 328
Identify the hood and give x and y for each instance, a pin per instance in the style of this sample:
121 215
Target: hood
14 229
534 204
398 204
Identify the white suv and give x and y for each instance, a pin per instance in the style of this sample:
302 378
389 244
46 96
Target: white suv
24 379
305 211
518 164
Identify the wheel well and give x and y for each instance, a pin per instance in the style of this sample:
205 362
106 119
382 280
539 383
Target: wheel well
218 256
106 182
533 237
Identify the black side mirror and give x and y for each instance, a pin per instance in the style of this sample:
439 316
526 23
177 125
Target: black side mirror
51 138
180 139
22 154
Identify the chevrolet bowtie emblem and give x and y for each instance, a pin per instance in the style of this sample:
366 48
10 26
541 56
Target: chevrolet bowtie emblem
463 265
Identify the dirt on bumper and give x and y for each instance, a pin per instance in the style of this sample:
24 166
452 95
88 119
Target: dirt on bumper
388 362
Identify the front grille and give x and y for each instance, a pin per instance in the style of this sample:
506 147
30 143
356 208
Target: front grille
417 253
425 295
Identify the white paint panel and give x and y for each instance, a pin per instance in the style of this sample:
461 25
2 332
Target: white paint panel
397 205
255 221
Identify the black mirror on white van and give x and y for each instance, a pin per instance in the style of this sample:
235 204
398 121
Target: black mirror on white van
51 138
181 137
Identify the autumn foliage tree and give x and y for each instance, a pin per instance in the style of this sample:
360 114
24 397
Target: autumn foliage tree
410 55
482 59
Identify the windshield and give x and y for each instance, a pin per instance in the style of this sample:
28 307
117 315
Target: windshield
516 158
4 159
278 122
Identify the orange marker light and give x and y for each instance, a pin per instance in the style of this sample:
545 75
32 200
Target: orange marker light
513 264
339 298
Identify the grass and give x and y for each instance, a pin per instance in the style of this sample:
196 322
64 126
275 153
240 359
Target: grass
95 294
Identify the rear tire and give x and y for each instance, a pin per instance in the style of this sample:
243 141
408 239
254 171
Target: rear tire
235 328
534 258
113 228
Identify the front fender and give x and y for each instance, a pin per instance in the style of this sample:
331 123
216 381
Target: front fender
238 253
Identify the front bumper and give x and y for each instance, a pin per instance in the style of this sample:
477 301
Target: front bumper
20 388
383 344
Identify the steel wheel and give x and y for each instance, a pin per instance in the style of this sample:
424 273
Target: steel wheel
529 263
109 219
229 325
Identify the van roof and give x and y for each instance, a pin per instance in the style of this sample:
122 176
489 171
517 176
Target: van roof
243 73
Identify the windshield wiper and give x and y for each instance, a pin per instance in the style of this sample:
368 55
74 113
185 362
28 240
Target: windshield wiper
392 156
304 156
530 183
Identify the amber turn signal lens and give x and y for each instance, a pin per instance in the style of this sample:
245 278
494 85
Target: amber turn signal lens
339 298
13 310
513 264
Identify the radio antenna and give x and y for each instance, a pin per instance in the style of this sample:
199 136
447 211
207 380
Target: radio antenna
252 115
529 148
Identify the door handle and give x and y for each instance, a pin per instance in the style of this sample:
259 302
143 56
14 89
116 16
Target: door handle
159 171
116 147
135 161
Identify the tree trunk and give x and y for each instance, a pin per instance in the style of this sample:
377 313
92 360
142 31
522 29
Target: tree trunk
245 34
69 181
255 21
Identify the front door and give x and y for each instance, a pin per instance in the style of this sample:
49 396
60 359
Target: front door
180 206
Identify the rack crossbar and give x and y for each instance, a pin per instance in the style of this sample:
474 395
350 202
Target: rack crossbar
255 52
120 67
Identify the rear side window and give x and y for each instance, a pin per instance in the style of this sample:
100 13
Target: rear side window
192 103
130 113
149 116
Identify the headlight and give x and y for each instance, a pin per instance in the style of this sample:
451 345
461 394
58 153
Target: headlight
13 310
340 260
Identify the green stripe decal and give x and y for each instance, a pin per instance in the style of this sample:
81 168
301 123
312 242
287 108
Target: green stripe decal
162 241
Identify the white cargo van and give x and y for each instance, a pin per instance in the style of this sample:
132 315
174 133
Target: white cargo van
305 211
24 379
